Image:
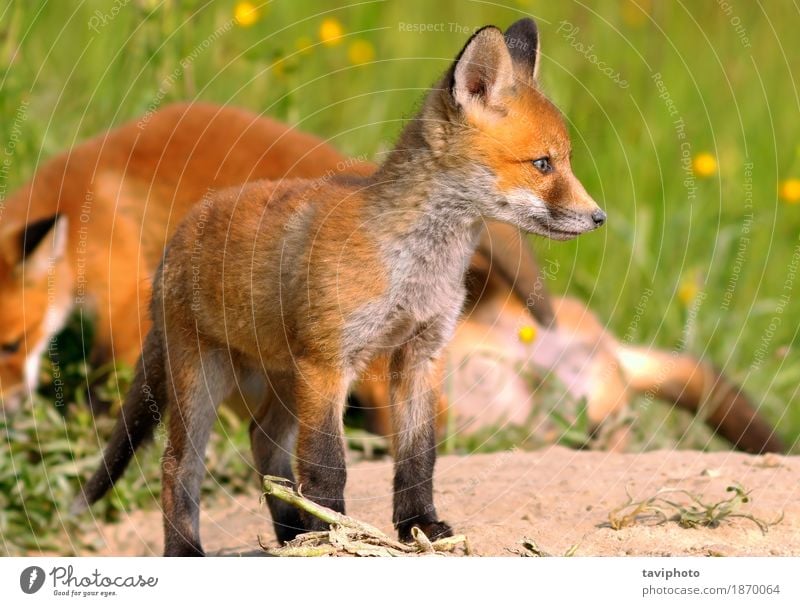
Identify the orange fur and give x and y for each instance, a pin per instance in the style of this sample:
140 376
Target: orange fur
122 194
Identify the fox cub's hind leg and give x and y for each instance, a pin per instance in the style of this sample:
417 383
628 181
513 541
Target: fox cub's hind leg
414 394
273 434
199 378
320 394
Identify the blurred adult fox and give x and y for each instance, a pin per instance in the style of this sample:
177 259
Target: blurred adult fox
89 229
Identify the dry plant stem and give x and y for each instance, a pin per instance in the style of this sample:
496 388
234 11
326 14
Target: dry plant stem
310 551
450 543
347 534
422 541
276 487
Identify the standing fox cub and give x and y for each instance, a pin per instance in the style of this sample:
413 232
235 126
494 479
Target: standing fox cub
305 282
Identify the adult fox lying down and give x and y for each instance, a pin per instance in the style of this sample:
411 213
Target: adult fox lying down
491 374
397 287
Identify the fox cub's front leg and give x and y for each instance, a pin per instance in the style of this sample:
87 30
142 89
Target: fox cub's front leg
320 395
415 385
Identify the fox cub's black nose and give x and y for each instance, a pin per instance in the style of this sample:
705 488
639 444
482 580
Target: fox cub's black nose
599 217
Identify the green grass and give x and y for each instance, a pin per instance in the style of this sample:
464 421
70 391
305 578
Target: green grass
738 103
45 453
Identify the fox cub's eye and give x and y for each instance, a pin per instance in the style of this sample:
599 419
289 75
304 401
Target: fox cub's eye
543 165
11 347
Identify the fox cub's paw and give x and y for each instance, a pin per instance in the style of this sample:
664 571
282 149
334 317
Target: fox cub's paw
433 530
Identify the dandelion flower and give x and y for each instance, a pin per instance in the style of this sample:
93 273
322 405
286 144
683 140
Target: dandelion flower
704 165
330 32
246 14
527 334
789 191
688 290
360 52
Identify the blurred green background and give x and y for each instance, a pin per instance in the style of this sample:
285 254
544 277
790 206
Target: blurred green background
684 117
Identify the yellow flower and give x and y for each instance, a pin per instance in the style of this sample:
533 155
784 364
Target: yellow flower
704 165
789 191
688 289
304 45
360 52
246 14
527 334
330 32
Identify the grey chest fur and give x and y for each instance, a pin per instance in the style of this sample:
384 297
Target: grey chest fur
426 287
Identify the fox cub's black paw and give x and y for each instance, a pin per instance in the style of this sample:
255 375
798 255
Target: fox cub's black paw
433 530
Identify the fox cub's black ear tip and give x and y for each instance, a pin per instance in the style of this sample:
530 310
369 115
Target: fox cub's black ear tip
522 40
526 26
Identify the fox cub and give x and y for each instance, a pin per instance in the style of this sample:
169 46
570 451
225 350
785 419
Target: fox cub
304 282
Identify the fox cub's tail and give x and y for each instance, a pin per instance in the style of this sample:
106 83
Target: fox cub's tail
143 409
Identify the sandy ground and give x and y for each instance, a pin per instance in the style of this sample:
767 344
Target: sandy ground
558 497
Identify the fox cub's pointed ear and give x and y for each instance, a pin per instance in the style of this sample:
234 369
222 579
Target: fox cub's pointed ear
482 71
522 40
35 246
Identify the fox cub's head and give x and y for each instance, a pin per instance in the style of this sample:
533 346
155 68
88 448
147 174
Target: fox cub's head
504 141
32 295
